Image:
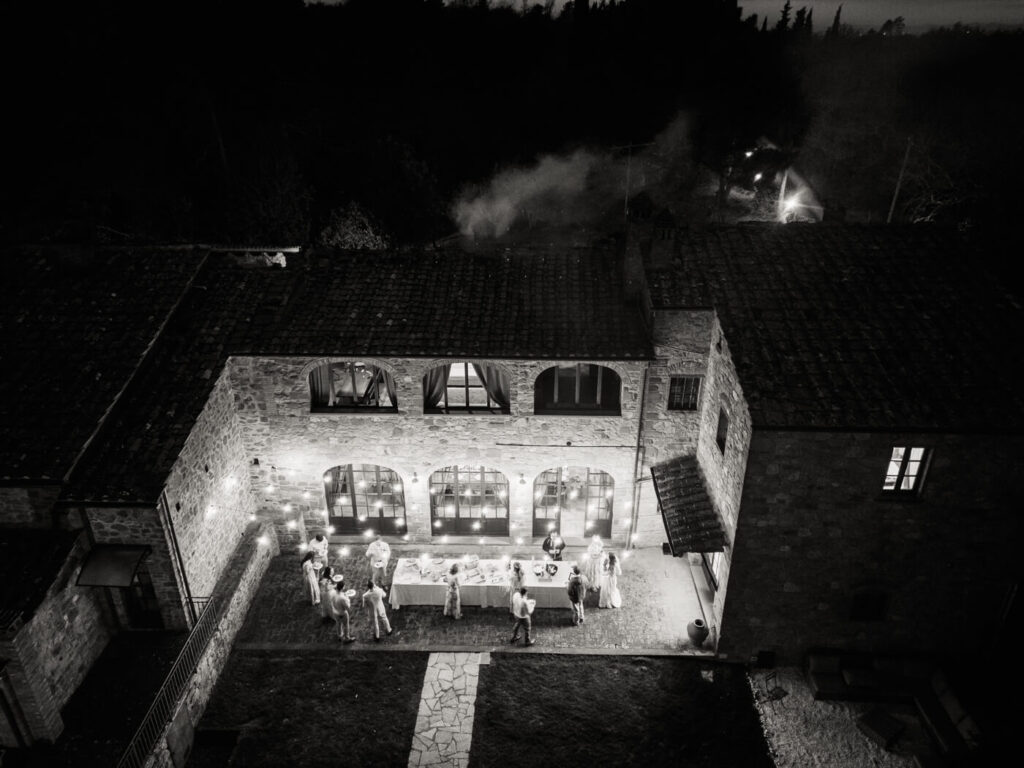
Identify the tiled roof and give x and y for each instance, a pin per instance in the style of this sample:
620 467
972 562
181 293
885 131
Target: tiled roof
691 521
856 327
73 326
541 304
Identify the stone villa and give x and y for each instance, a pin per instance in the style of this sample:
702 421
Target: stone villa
826 416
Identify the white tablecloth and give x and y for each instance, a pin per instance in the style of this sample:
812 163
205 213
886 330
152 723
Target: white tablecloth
408 587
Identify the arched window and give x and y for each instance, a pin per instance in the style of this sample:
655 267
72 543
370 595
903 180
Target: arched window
365 497
466 388
468 501
573 501
351 386
577 388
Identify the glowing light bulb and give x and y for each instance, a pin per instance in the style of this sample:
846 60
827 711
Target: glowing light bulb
437 523
263 540
476 526
481 540
344 551
368 532
287 507
444 539
330 529
306 494
252 516
270 489
519 539
303 546
291 524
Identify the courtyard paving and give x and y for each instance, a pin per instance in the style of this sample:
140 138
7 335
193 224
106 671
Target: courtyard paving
658 600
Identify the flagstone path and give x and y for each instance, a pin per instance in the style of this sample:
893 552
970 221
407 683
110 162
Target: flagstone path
444 723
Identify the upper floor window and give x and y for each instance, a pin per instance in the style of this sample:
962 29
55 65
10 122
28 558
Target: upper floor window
683 393
723 429
577 388
466 387
906 470
351 385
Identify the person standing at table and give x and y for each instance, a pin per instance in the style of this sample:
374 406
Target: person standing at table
521 610
341 606
610 595
595 558
325 594
553 545
516 581
374 595
577 591
309 579
378 552
452 597
318 546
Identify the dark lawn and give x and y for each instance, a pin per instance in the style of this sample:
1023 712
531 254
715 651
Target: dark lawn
614 710
320 707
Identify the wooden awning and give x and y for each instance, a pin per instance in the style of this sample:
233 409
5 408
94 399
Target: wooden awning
691 520
111 565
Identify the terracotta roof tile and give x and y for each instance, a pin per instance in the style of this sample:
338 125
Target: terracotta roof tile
691 521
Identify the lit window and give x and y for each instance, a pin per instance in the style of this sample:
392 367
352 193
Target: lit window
466 387
683 393
348 385
469 501
905 471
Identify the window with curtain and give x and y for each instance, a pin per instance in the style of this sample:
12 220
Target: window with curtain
351 386
365 497
579 388
466 388
468 500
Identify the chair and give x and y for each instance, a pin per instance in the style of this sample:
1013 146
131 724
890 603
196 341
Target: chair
773 692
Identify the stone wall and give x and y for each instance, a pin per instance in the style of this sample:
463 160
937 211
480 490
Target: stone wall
691 343
816 531
28 506
208 493
144 525
234 592
294 447
54 649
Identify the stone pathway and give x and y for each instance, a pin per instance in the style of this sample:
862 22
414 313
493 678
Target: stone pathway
444 723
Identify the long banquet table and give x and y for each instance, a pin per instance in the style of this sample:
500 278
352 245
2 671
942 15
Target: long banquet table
483 583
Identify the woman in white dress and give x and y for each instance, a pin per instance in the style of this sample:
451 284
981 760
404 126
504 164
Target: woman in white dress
309 577
610 595
326 614
592 565
452 598
516 580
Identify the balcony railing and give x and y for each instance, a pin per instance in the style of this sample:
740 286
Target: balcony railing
209 614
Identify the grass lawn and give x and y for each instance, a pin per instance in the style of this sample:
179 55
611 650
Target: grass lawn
614 710
314 708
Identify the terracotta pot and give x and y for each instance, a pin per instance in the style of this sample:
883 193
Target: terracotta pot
698 632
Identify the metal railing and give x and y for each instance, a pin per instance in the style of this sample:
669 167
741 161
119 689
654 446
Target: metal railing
156 719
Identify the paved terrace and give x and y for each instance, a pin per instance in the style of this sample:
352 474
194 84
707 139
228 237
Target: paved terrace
658 600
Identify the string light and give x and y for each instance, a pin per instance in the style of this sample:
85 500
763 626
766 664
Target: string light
519 539
368 532
444 539
330 529
252 517
303 546
481 541
263 540
437 523
287 507
406 537
291 524
344 551
270 489
306 494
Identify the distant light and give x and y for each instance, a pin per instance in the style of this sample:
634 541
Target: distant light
306 494
344 551
748 153
551 526
263 540
476 526
291 524
444 539
481 540
361 484
287 507
625 523
504 558
330 529
270 489
625 554
406 537
636 536
400 522
437 523
368 532
303 546
758 176
252 516
519 539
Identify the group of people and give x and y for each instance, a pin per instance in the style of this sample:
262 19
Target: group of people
601 570
326 588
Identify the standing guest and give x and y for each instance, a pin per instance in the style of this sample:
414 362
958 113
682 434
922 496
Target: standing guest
375 596
577 591
521 610
452 598
341 606
318 546
378 552
325 594
593 562
610 595
309 578
553 545
516 581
